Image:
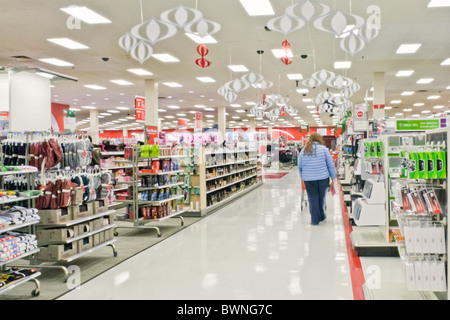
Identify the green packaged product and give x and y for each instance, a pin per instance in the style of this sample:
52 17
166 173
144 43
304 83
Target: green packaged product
432 166
380 149
366 150
422 165
373 148
441 164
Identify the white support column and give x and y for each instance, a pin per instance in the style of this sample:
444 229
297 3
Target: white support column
93 128
222 123
151 103
378 95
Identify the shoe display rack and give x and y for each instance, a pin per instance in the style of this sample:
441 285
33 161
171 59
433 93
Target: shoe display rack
155 191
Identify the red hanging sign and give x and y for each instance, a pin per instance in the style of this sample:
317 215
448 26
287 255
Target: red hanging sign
139 104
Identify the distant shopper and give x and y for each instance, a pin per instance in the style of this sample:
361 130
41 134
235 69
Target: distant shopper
316 167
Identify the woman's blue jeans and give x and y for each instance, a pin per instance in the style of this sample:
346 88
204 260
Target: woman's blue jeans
316 191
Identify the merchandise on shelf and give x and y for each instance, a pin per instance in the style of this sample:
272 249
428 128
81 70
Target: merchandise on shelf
14 274
15 244
18 215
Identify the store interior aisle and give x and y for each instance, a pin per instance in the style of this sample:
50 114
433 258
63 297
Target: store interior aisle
261 246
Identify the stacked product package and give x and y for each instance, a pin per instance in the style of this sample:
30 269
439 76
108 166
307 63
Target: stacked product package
18 215
14 244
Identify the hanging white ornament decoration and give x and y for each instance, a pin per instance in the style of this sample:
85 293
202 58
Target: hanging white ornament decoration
153 31
252 78
237 85
181 16
323 75
253 110
127 41
307 10
352 44
141 51
338 82
282 101
230 96
285 24
368 33
222 91
264 84
202 28
354 87
337 22
311 82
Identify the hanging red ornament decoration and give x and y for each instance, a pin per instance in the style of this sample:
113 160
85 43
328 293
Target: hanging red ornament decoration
283 111
203 51
286 46
264 99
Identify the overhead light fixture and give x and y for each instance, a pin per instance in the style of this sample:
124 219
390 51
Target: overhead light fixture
295 76
240 111
105 114
86 15
199 106
311 107
238 68
433 97
426 111
342 64
438 3
278 53
438 107
45 75
407 93
94 87
89 107
57 62
446 62
419 104
173 107
165 57
425 80
209 109
197 39
113 111
408 48
172 84
74 109
206 79
122 82
123 108
404 73
258 7
235 105
387 108
68 43
302 91
407 110
140 72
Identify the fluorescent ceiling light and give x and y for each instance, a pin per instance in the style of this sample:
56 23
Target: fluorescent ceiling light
295 76
165 57
197 39
302 90
419 104
45 75
74 109
106 114
407 93
426 111
438 3
85 14
113 111
123 108
209 109
387 108
57 62
408 48
446 62
140 72
94 87
89 107
170 117
238 68
433 97
407 110
173 107
425 80
235 105
404 73
68 43
122 82
310 107
209 116
199 106
162 110
438 107
258 7
250 103
278 53
172 84
342 64
240 111
206 79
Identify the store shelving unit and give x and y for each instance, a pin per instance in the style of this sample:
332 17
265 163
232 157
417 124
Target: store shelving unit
221 177
136 203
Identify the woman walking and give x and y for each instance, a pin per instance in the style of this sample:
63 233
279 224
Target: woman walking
316 167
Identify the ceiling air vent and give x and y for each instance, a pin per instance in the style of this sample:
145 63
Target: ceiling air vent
21 58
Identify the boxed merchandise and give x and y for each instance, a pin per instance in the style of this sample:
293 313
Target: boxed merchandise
441 164
373 148
54 216
97 224
422 165
85 227
85 243
57 252
47 236
109 234
431 165
380 149
96 239
77 196
99 206
86 209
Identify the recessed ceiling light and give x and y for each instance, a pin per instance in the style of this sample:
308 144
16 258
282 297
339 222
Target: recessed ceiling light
278 53
250 103
172 84
419 104
165 57
209 116
438 107
89 107
162 110
310 107
235 105
238 68
302 91
173 107
425 80
57 62
407 110
206 79
415 115
209 109
122 82
342 64
387 108
258 7
196 38
240 111
408 48
170 117
94 87
181 114
85 14
74 109
438 3
123 108
426 111
404 73
295 76
199 106
407 93
140 72
68 43
113 111
106 114
433 97
446 62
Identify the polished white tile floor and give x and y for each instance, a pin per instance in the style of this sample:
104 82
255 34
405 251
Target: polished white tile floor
259 247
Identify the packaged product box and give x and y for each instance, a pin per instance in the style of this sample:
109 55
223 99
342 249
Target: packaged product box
441 164
422 165
54 216
57 235
366 149
85 227
380 149
432 166
109 234
77 196
99 206
85 243
373 148
86 209
101 237
61 251
97 224
413 167
96 239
